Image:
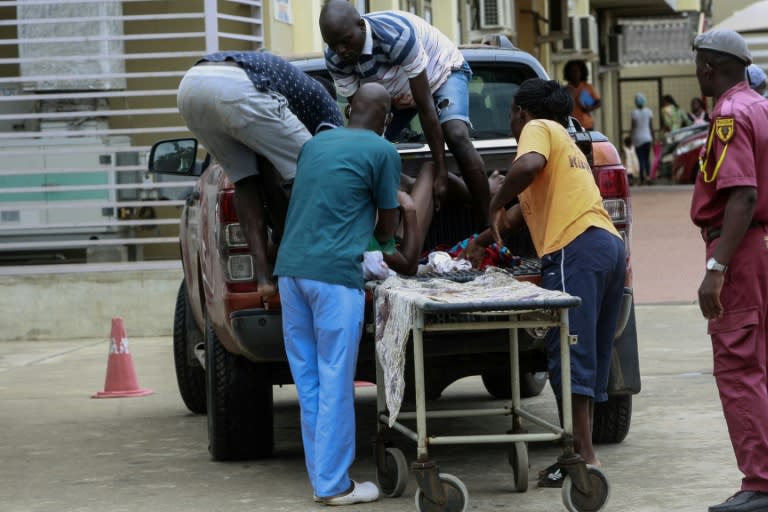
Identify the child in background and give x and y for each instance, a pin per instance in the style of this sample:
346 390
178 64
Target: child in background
631 163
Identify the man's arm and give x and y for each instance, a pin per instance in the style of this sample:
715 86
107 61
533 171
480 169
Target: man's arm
384 232
738 215
422 96
520 175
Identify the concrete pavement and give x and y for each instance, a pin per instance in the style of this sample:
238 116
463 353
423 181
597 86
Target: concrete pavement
63 451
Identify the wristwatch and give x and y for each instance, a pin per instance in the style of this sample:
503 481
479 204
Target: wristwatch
712 264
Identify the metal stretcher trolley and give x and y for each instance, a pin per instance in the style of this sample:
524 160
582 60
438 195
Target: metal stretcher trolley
499 302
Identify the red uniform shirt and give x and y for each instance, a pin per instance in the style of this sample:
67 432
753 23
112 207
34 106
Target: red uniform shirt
736 155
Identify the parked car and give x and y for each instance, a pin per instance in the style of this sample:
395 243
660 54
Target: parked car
685 161
228 343
677 143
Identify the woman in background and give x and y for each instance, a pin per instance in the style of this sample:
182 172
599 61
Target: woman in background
642 136
585 98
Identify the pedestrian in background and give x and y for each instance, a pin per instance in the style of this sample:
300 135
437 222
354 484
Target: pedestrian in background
733 296
672 116
585 98
346 179
698 113
757 79
630 160
642 137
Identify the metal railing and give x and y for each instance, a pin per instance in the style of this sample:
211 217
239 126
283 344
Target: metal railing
86 87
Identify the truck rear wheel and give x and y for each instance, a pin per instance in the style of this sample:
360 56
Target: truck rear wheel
612 419
190 374
239 393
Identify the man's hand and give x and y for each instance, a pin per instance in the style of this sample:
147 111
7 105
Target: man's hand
439 190
709 294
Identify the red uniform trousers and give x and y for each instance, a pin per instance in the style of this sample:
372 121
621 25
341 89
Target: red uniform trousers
740 352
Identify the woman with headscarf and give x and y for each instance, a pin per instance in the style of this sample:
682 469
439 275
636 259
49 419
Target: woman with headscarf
642 135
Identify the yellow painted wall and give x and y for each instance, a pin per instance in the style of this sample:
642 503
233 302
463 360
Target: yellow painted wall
721 9
278 36
445 18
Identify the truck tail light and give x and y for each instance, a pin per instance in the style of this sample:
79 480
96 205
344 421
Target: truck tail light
235 256
612 182
617 209
614 187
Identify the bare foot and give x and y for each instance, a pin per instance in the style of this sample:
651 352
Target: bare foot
494 182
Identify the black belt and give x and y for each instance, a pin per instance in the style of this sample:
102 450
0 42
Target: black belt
713 232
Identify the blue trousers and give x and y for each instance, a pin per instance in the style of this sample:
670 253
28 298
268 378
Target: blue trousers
322 325
591 267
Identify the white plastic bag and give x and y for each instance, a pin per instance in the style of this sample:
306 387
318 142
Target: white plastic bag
374 267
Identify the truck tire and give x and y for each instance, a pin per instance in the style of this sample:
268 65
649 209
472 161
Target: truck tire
190 374
612 419
239 396
497 383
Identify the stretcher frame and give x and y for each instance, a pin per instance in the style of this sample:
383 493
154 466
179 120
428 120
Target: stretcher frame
479 316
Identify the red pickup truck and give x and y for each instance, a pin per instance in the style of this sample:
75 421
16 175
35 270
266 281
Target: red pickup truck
228 343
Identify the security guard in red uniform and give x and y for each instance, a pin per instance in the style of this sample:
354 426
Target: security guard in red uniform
729 205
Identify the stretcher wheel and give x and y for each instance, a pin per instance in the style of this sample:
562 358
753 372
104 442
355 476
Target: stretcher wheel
576 501
456 496
518 459
394 478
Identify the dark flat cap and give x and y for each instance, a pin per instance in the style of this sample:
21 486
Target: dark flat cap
725 41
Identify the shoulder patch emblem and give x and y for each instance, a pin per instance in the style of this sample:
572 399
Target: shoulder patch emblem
724 129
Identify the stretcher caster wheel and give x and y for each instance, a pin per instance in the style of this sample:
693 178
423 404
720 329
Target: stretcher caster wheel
576 501
518 459
394 478
456 496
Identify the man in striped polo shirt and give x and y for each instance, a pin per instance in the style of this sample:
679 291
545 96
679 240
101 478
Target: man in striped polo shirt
424 72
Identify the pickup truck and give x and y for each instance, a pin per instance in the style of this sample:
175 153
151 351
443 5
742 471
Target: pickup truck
227 340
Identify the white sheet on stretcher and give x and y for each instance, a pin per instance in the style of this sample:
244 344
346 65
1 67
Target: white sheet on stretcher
396 303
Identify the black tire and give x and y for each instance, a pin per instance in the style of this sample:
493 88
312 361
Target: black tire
190 374
497 383
239 392
612 419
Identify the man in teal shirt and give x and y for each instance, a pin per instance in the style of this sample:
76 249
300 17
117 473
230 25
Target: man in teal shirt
345 179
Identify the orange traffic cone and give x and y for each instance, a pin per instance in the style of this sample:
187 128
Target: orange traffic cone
121 377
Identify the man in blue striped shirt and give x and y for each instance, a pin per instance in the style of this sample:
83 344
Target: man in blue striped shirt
424 72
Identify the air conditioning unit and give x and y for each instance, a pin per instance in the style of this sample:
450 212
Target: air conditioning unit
583 36
492 14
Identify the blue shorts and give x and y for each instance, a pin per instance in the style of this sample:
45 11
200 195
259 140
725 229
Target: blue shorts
592 267
451 102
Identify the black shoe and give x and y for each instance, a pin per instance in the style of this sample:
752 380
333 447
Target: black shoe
743 501
552 477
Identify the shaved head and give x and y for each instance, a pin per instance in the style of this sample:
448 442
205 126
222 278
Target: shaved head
370 107
343 29
337 11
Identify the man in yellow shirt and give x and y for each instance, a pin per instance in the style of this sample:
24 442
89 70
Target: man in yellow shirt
581 252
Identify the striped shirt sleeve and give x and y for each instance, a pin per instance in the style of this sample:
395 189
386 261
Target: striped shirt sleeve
400 42
345 78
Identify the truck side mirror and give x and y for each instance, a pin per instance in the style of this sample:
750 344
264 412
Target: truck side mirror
174 156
